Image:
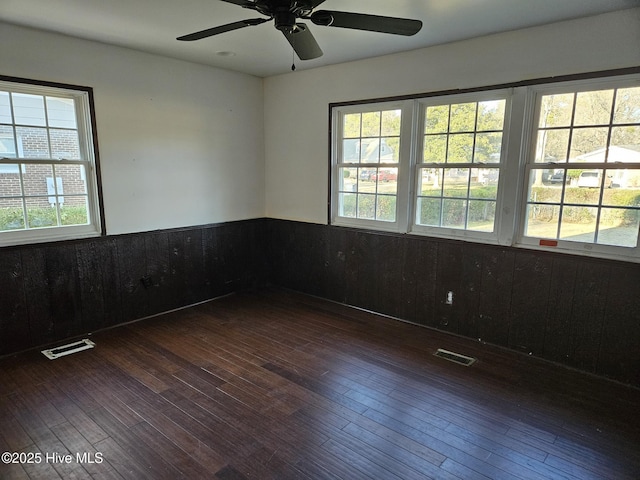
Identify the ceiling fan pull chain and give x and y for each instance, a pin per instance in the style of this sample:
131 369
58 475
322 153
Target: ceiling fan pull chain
293 60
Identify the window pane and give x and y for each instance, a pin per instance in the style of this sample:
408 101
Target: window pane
627 106
488 147
40 213
391 122
371 124
73 177
431 182
351 126
35 179
587 142
619 226
428 211
542 221
593 108
32 142
454 213
628 141
484 183
366 206
386 208
456 182
556 110
544 192
347 204
460 148
5 108
390 150
481 215
588 189
463 117
578 224
348 178
437 119
10 181
64 144
491 115
28 109
435 148
74 211
61 112
11 214
552 145
369 149
351 150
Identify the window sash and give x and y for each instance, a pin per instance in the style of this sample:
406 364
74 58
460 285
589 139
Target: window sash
82 189
582 215
376 177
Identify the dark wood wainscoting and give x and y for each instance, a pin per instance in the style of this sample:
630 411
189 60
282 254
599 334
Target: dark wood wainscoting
56 291
577 311
278 385
580 312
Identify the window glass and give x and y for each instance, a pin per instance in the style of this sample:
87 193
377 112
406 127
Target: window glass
592 193
47 170
368 166
468 135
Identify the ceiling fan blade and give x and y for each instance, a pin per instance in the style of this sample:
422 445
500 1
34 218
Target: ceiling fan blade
303 42
222 29
362 21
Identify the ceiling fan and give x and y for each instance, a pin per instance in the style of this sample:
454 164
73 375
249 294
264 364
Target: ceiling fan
285 14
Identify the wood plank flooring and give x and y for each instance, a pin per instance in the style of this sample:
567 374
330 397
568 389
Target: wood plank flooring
277 385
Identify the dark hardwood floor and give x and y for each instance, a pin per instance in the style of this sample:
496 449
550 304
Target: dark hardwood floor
278 385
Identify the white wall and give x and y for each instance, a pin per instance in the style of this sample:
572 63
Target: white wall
296 104
180 144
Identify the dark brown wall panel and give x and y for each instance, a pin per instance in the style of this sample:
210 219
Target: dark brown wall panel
587 314
55 291
618 356
425 256
559 306
495 296
38 300
574 310
529 302
61 270
14 318
132 267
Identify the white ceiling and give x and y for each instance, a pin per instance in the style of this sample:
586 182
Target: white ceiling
153 25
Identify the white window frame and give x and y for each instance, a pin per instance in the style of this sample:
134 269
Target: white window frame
535 94
461 233
405 156
88 160
518 150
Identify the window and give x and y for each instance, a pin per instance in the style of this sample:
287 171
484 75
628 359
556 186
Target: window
453 165
48 175
545 165
369 165
461 159
583 173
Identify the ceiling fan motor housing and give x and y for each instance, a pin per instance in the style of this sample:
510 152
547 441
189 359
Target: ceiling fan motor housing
285 21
